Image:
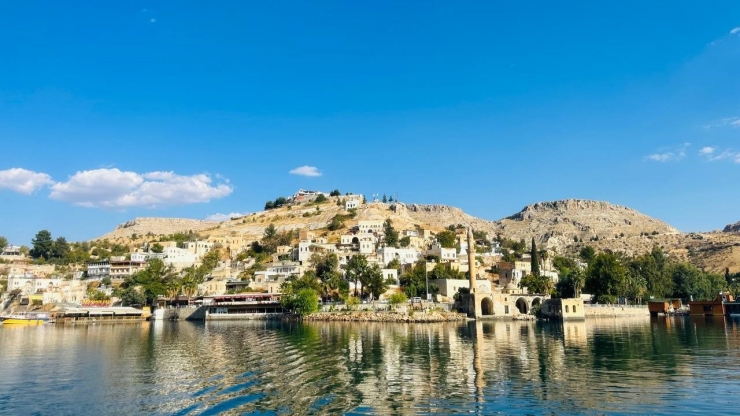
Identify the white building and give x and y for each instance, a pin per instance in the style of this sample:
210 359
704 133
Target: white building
179 257
390 274
445 254
199 248
98 270
370 226
353 202
29 284
404 255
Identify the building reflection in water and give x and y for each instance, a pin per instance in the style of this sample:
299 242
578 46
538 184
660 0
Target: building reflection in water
477 367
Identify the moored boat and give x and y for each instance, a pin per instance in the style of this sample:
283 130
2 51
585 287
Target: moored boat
27 318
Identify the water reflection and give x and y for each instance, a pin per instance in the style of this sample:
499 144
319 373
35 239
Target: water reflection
607 366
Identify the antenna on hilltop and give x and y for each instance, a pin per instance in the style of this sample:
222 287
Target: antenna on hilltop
375 197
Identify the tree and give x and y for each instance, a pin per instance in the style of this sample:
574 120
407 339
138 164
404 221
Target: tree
335 193
536 284
587 254
356 269
606 277
321 198
404 241
391 235
413 281
42 245
60 248
132 296
385 199
446 239
535 256
210 260
390 198
152 280
3 243
156 248
398 298
374 282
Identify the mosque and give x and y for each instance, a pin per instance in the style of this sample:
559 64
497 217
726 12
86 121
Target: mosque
486 303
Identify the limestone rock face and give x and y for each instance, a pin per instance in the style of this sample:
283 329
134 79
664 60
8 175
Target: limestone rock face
157 226
732 228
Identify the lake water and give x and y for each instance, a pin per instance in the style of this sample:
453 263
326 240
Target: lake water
610 366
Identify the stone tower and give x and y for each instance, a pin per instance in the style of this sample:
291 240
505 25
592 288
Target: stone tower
471 260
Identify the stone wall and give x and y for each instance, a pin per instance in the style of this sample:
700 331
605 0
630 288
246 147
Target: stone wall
606 311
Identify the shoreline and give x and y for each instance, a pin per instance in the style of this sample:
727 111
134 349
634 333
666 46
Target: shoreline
372 316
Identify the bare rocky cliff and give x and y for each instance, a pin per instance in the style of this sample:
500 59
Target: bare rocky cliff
732 228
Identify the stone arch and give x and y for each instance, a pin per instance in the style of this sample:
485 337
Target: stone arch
486 306
536 301
522 305
355 240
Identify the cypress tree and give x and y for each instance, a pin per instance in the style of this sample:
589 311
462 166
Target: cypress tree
535 260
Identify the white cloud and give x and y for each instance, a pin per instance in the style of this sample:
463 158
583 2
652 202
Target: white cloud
669 154
728 154
735 31
23 181
225 217
306 171
728 121
708 150
116 189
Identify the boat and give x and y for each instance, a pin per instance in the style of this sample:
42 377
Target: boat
25 318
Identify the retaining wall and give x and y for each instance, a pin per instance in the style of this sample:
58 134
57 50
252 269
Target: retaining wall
605 311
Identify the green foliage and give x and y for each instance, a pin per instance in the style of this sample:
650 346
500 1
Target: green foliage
391 235
3 243
535 256
404 241
537 284
277 203
397 298
352 302
444 271
587 254
385 199
42 245
606 275
156 248
271 238
320 199
413 281
446 239
335 223
152 280
335 193
131 296
394 264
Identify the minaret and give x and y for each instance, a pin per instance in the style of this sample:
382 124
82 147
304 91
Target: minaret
471 260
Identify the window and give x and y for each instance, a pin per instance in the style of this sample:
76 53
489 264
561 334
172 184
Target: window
566 308
506 309
574 308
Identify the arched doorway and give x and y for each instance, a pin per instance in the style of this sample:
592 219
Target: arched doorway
536 301
486 306
521 304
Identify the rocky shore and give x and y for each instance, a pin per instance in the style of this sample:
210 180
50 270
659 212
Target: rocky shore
370 316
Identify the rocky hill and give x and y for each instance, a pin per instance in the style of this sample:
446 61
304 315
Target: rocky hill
157 226
561 226
732 228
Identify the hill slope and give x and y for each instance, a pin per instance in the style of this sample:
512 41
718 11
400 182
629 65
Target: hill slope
562 226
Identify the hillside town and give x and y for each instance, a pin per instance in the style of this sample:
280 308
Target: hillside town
349 258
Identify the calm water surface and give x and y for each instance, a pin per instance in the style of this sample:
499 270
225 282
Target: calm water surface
641 366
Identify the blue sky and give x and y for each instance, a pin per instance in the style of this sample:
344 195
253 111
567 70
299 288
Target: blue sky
116 110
